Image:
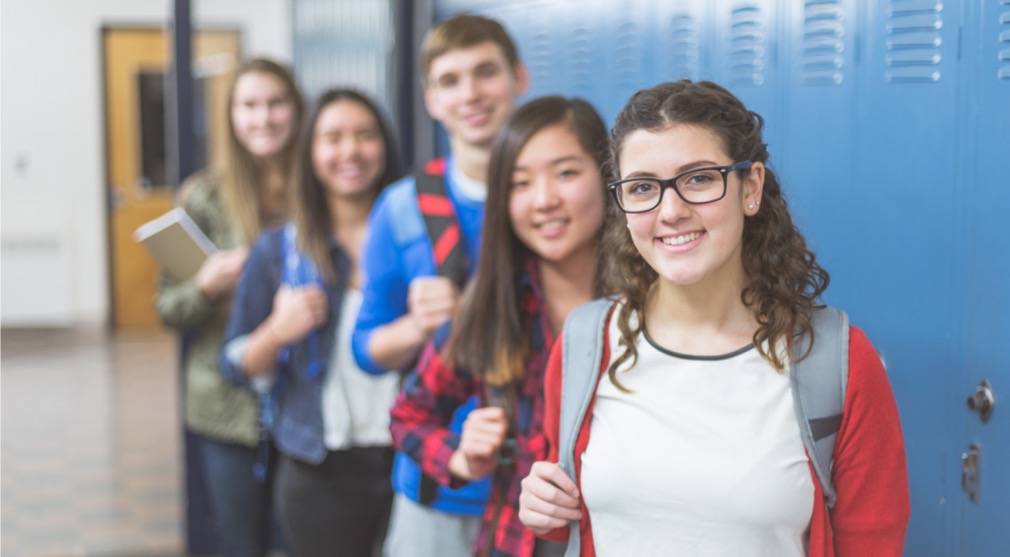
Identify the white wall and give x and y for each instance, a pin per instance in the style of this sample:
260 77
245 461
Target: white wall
54 257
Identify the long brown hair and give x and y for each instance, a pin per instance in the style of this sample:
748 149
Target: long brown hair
782 278
241 179
489 332
311 212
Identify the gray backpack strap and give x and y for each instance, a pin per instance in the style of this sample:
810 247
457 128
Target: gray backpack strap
582 352
818 385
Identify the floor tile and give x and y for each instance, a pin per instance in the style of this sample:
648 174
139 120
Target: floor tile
89 445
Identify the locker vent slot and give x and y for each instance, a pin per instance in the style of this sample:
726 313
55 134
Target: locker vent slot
345 41
628 57
580 64
1003 50
540 57
685 51
913 41
747 46
823 56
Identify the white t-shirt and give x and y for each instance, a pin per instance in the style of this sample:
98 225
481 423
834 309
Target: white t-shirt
469 188
703 457
355 404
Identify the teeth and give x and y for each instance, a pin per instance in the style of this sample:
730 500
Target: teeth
678 240
551 224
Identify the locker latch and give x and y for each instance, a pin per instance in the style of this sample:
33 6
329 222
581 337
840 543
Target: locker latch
970 472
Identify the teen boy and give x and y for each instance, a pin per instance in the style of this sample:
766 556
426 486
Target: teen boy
472 80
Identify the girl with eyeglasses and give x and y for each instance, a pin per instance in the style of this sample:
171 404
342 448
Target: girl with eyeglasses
691 444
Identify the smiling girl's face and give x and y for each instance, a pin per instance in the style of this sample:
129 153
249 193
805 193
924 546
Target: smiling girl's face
348 153
262 114
556 203
688 244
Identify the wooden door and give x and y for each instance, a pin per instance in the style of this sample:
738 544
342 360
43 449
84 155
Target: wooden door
135 63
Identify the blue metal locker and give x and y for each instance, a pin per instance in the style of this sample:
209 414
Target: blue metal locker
680 40
744 40
904 288
983 179
624 51
889 126
814 156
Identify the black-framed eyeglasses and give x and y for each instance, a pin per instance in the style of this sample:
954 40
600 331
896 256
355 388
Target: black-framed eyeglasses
696 186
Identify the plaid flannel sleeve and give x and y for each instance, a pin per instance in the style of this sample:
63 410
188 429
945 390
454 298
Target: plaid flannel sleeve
423 411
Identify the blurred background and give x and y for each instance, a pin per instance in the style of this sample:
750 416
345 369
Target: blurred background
888 122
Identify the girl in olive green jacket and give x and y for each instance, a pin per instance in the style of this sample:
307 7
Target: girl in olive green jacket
232 206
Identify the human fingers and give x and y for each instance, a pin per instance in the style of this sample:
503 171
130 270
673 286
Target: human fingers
432 292
546 475
307 308
282 297
541 523
314 298
478 443
235 256
543 506
487 414
208 277
478 448
487 423
427 322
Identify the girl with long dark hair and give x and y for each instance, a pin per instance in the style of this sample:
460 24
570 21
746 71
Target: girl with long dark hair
290 335
541 239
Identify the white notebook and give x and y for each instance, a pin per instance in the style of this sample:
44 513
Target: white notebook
176 242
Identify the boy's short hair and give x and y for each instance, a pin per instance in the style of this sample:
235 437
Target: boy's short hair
463 31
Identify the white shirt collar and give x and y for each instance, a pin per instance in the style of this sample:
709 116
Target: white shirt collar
466 187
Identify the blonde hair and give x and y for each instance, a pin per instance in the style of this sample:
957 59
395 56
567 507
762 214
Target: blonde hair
241 179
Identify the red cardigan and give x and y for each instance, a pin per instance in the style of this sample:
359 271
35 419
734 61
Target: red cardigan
869 471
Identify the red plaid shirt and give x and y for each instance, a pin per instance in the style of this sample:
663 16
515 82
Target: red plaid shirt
421 416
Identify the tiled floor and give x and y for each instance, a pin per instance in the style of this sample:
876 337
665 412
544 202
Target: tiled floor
89 445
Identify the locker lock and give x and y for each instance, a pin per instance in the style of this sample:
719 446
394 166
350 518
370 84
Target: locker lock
983 401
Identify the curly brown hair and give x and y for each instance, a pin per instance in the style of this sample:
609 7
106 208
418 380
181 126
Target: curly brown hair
782 278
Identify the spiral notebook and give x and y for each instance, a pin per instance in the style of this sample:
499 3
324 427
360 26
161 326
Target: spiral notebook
176 242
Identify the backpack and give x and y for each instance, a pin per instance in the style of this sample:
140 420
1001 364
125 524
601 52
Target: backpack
818 385
444 233
441 223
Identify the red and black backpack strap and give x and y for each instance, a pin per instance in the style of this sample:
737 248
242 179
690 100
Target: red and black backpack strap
450 256
440 220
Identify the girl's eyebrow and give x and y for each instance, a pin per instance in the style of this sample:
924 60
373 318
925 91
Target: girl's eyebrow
680 170
555 162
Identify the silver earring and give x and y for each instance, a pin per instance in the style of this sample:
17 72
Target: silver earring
751 206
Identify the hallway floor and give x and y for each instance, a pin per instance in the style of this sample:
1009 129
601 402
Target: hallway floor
90 458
